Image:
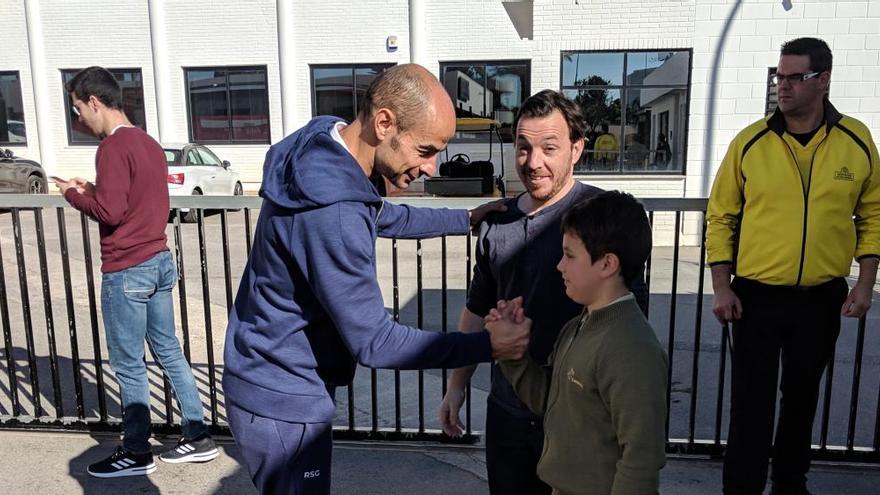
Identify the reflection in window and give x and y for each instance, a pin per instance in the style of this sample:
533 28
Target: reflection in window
12 130
228 105
339 90
131 83
492 90
590 69
635 107
771 100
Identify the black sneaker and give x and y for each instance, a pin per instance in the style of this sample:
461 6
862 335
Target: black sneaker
200 449
123 463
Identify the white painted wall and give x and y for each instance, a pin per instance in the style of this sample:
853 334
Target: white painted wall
202 33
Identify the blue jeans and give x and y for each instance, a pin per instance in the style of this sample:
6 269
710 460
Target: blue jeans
137 304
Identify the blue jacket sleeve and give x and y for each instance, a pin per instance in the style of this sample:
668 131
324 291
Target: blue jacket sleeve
408 222
338 253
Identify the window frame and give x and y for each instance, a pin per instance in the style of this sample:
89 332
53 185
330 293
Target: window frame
623 88
17 75
771 91
313 94
68 112
227 69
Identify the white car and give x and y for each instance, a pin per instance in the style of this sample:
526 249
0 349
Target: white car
16 131
193 169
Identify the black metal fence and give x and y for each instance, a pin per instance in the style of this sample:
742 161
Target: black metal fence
59 379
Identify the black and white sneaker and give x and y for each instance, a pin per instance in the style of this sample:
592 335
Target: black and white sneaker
123 463
201 449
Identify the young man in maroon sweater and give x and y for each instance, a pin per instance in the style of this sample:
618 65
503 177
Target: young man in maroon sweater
129 200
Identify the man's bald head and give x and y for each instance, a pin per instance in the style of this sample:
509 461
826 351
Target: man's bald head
411 93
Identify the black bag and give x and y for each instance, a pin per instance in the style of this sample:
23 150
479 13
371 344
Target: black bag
460 166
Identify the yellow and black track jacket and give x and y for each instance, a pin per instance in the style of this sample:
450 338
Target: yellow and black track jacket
787 214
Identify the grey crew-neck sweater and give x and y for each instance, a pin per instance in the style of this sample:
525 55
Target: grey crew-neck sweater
603 401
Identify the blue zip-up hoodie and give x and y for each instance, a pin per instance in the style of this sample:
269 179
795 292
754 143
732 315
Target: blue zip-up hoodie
309 305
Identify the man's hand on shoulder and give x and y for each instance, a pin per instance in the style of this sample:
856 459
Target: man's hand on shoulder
480 213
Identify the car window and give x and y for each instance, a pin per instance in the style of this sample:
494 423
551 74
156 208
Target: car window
172 157
208 158
193 158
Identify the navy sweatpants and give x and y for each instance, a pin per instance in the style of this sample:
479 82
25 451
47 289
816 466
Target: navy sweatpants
283 457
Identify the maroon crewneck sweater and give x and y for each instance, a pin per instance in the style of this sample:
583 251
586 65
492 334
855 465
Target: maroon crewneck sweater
131 198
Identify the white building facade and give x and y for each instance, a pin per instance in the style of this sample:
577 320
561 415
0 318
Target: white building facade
240 75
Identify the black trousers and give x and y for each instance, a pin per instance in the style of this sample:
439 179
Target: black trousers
801 326
513 448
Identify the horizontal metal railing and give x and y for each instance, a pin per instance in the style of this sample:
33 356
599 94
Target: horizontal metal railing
54 372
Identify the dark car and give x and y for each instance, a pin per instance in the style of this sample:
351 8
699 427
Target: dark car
20 175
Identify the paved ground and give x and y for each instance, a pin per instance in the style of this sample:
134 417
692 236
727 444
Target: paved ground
54 463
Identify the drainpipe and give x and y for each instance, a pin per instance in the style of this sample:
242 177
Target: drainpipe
287 63
37 55
708 151
417 32
161 71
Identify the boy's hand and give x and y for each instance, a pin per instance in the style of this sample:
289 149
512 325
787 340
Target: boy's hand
508 330
507 310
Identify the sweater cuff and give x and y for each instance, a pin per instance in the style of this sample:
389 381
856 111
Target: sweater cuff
480 345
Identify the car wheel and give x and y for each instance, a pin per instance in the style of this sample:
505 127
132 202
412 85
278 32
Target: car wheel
192 215
238 190
36 185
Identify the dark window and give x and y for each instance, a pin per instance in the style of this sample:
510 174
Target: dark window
228 105
12 129
132 85
635 105
172 157
492 90
208 158
339 89
771 92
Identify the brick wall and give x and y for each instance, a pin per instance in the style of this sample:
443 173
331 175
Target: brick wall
204 33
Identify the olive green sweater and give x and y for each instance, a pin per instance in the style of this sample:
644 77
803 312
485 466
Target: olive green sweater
603 401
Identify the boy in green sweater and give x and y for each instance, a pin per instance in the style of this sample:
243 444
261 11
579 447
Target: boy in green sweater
603 391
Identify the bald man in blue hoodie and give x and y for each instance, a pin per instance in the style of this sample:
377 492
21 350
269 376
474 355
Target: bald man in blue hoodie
309 308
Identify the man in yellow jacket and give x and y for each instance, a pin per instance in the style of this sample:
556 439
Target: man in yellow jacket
796 198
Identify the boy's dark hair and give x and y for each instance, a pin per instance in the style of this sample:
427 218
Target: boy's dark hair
613 222
816 49
544 103
97 82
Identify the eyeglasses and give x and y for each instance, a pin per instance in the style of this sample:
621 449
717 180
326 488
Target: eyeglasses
792 78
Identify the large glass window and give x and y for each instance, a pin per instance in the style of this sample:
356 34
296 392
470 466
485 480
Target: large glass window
131 82
492 90
339 89
228 105
12 129
635 105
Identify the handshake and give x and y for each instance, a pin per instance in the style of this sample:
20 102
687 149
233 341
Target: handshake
508 329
